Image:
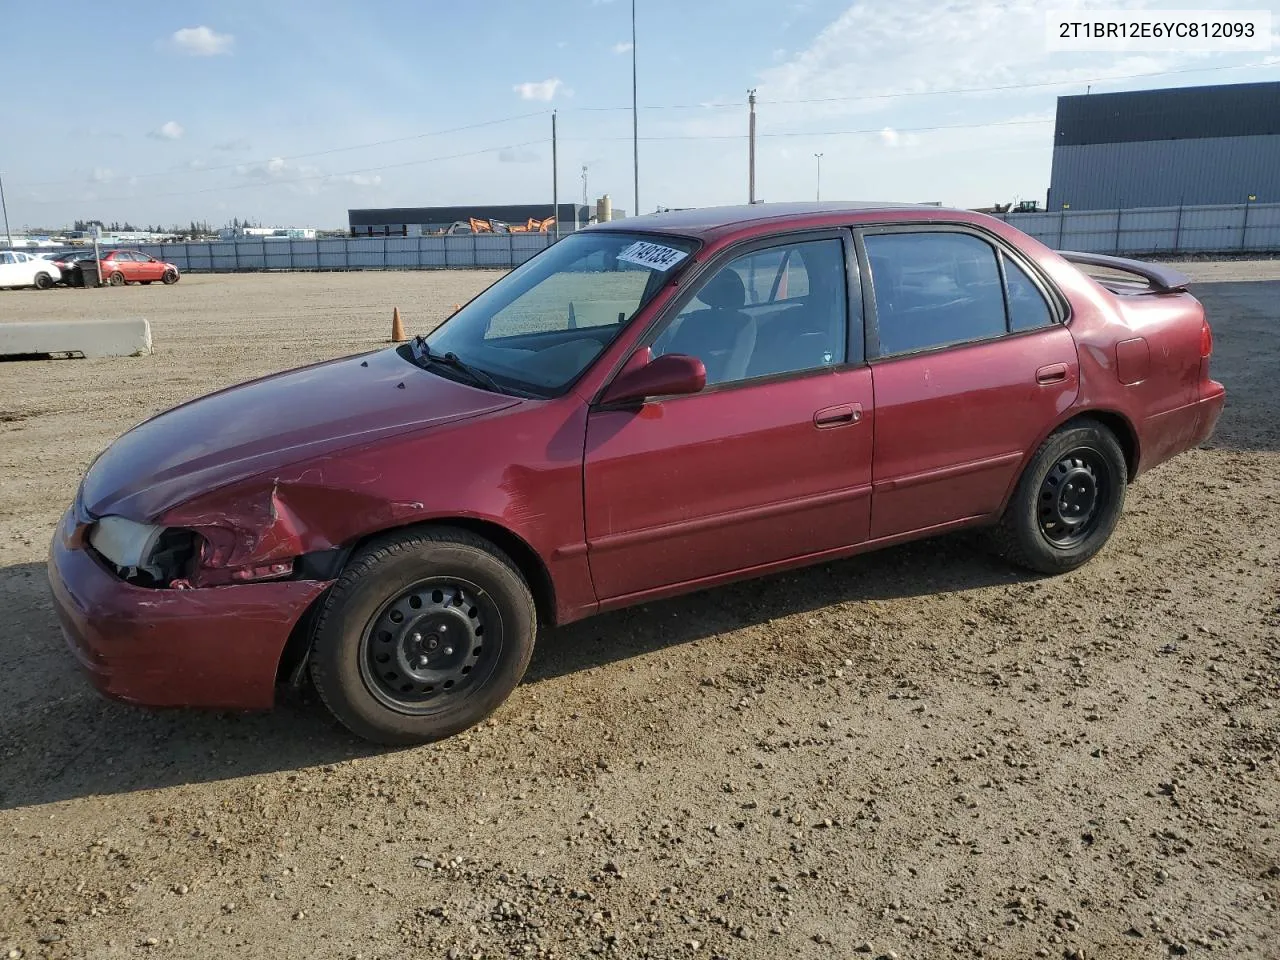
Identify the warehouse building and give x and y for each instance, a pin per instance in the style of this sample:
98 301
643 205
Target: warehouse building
420 221
1164 148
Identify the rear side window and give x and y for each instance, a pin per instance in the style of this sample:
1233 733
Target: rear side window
1027 306
934 289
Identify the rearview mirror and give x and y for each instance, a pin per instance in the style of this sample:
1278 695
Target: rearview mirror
669 375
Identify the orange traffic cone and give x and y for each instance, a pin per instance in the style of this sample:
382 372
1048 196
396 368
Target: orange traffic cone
397 328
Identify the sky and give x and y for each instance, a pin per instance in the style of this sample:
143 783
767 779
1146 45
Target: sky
289 113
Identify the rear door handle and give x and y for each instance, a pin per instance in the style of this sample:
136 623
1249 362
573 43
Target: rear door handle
1053 373
837 416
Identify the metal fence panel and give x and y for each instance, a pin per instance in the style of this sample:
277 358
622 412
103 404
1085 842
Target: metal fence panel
1221 228
1218 228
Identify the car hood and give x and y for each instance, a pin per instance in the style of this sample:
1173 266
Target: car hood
266 424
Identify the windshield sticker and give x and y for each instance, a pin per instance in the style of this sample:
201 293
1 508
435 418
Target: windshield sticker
655 256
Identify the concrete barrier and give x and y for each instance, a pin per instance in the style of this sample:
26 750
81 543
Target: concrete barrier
84 338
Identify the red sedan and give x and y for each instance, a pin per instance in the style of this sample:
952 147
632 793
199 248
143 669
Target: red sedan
648 407
119 267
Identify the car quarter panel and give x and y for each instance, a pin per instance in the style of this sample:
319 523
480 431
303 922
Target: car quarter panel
1172 406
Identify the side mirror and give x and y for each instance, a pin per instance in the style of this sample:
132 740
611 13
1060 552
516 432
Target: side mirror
669 375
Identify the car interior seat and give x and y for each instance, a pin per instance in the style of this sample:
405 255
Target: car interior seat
721 336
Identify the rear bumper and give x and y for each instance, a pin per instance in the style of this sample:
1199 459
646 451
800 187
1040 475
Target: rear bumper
208 647
1183 428
1213 397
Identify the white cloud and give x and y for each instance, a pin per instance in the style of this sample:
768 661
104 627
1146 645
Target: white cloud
539 89
874 53
622 46
512 155
273 169
201 42
169 130
102 175
357 179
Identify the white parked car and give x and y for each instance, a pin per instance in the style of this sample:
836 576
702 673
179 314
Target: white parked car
19 269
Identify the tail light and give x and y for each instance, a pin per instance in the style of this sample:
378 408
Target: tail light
1206 339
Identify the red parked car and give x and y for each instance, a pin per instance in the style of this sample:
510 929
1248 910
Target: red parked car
119 267
648 407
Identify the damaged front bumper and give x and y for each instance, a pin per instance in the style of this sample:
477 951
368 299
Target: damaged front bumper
202 647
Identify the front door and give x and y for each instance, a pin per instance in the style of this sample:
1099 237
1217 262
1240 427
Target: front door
972 365
772 460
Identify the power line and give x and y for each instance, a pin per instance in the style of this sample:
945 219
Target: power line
828 133
304 179
1014 86
930 93
314 153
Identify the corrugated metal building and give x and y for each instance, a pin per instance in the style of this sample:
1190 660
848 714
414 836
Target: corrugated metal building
416 221
1156 148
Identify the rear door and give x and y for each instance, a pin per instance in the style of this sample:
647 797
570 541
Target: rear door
971 363
772 460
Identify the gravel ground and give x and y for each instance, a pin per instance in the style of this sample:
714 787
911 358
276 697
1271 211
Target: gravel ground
919 753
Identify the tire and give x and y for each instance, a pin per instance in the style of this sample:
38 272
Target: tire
116 279
411 680
43 281
1067 501
170 277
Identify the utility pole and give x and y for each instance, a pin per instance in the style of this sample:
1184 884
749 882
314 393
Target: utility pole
635 115
555 179
751 146
7 235
818 193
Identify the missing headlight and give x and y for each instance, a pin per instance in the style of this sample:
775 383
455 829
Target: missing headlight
169 556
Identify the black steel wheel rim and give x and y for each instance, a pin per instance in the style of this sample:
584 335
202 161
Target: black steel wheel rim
433 644
1073 497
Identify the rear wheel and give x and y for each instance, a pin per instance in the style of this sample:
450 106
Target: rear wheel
43 281
1067 502
116 279
425 634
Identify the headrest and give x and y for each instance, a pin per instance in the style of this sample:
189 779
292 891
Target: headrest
724 291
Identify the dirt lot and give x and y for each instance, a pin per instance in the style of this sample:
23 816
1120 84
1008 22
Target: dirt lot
919 753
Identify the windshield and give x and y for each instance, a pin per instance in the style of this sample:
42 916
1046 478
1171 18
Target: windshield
542 324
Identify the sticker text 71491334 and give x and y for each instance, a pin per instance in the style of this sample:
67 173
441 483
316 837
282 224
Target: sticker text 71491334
655 256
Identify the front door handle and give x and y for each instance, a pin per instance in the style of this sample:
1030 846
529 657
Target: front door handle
1053 373
837 416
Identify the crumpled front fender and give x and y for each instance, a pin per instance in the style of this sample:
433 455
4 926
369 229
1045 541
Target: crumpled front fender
276 519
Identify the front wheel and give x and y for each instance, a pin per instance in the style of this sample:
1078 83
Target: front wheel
43 281
170 277
425 634
1067 502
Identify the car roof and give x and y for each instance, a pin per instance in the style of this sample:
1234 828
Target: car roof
707 222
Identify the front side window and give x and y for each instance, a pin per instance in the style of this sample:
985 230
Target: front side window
539 327
773 311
